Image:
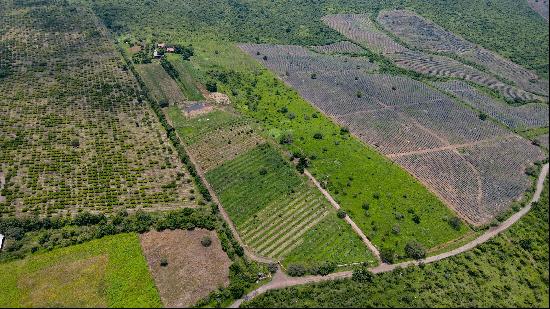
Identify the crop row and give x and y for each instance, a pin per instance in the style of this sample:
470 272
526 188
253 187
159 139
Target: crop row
343 47
523 116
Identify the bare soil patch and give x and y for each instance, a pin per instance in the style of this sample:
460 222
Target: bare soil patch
192 270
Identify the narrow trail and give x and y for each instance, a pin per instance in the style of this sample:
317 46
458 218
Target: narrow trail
283 281
357 230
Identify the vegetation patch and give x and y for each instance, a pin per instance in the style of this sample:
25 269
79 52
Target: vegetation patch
109 272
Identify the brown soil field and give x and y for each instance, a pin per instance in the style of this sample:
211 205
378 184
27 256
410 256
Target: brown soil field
193 271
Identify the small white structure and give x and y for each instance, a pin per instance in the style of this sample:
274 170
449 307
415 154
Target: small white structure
1 241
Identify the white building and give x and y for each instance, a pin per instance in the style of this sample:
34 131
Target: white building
1 241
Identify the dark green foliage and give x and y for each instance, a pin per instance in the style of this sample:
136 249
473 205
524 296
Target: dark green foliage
455 223
387 255
415 250
211 86
341 213
286 139
362 274
318 135
206 241
296 270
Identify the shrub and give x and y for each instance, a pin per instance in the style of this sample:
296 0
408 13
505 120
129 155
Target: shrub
296 270
387 255
324 269
341 214
163 103
163 262
455 223
286 139
272 267
206 241
263 171
415 250
211 87
318 135
362 274
482 116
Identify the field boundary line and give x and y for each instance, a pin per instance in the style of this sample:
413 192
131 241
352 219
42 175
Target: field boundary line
354 226
382 268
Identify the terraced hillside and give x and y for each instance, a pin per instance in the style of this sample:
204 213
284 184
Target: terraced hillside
421 35
448 146
425 35
74 132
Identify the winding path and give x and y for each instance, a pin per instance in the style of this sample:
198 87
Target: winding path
282 281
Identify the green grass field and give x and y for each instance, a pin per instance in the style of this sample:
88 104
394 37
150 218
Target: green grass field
186 80
160 84
108 272
511 270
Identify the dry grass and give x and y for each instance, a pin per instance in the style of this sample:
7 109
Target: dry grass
73 285
193 271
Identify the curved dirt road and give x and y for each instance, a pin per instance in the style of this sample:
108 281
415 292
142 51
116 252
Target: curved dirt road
282 281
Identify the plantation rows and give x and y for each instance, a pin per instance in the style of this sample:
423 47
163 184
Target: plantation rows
361 29
224 144
389 132
420 33
524 116
481 181
447 67
343 47
544 141
277 229
73 132
494 63
285 59
162 86
425 35
409 121
275 210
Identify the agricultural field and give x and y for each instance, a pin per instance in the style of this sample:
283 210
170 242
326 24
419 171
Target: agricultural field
191 270
75 133
422 35
421 129
425 35
278 213
161 86
108 272
525 116
511 270
189 85
343 47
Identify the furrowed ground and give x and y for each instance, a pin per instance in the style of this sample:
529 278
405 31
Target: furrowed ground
109 272
74 132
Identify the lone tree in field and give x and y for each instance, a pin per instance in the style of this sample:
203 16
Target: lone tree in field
415 250
206 241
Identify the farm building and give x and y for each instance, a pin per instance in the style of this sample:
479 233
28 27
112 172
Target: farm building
171 49
161 45
197 108
1 241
